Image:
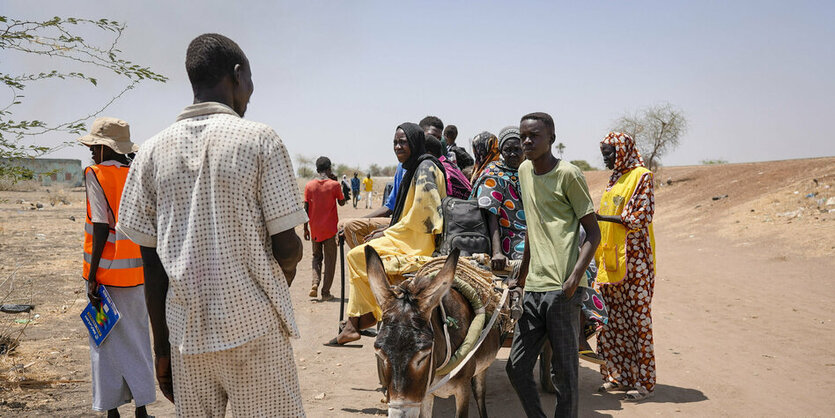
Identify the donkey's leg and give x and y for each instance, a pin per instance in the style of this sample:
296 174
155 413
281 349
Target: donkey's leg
427 405
462 400
479 384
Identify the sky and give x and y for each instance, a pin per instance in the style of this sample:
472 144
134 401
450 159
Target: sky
335 78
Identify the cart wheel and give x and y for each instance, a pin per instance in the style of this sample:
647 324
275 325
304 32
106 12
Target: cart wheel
545 369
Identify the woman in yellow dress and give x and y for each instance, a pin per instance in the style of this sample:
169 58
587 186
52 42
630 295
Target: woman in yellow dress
409 241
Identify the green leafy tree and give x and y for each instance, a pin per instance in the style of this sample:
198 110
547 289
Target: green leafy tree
59 40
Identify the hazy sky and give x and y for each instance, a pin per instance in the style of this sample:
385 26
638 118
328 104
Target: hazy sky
335 78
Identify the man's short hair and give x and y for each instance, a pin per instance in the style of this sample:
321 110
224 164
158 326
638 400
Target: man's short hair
431 121
541 116
210 57
323 164
451 132
433 146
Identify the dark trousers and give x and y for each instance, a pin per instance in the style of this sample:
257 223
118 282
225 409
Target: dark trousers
356 196
546 315
325 250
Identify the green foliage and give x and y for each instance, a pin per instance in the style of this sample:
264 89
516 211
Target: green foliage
583 165
714 162
346 170
57 39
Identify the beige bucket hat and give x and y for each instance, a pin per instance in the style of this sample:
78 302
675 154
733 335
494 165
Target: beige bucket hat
112 132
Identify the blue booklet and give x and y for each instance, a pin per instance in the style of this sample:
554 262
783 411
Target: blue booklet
100 322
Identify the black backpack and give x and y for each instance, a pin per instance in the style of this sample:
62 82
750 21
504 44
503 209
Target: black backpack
464 228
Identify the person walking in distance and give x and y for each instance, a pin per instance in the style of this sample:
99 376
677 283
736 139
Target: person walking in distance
355 188
217 237
320 198
368 188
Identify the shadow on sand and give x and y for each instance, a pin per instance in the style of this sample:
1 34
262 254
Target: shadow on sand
503 402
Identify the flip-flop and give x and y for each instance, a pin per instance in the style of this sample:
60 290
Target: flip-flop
638 395
333 343
591 357
368 332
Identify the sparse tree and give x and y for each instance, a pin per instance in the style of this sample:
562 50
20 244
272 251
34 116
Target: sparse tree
389 171
58 39
560 149
655 129
305 166
375 170
583 165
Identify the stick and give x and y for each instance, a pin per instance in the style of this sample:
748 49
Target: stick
342 278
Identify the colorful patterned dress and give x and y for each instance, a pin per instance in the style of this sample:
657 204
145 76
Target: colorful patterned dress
626 341
497 191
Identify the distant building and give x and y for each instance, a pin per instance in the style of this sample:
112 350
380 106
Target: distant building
49 171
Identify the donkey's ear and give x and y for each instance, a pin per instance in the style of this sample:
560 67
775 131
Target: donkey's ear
377 276
430 290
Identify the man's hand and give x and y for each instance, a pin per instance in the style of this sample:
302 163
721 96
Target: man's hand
306 233
93 291
162 364
376 234
570 285
498 262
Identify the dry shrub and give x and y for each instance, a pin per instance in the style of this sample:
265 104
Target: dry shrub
8 185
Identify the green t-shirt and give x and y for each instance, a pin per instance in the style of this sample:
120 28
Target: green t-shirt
554 202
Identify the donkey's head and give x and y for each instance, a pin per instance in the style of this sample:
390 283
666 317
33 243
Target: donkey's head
405 341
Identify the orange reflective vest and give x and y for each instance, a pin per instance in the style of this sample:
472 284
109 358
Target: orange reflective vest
611 253
121 262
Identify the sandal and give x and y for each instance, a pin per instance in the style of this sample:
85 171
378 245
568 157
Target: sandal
638 395
612 387
591 357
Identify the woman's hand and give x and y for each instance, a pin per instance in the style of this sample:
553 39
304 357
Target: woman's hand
498 262
376 234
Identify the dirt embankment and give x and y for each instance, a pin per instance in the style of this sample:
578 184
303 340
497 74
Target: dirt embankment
743 308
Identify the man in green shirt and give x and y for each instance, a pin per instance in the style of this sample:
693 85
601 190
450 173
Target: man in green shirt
556 201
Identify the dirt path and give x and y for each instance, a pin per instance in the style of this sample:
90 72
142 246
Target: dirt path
743 309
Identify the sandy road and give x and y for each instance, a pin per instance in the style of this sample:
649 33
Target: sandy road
743 324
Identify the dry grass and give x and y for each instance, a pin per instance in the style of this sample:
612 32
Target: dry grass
7 185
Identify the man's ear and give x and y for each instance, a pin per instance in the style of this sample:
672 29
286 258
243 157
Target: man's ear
238 72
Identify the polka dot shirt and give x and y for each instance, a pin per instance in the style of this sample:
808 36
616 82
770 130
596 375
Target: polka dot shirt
207 192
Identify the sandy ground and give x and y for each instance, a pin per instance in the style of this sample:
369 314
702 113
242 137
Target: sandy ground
743 307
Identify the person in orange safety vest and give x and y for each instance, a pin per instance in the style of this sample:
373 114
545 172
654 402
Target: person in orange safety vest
122 365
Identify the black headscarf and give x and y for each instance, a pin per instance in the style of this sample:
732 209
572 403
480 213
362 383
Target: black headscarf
417 146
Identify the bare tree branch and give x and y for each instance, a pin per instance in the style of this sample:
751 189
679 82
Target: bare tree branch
655 129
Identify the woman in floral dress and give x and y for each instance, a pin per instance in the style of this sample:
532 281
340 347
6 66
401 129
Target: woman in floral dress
626 270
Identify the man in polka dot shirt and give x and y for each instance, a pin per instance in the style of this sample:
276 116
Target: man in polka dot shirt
207 201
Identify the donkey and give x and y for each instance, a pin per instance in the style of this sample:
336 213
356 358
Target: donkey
411 345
